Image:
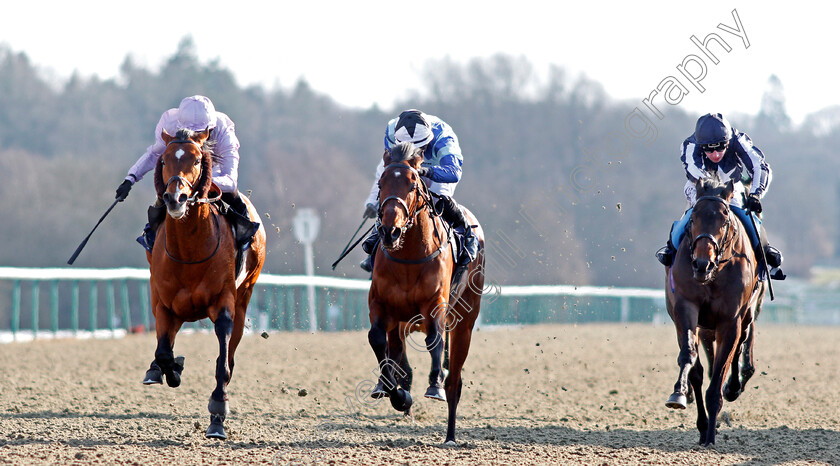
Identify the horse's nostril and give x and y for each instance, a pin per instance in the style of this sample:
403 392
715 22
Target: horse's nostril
395 234
182 198
166 197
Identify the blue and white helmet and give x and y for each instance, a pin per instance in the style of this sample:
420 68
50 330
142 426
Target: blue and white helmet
712 128
196 113
412 126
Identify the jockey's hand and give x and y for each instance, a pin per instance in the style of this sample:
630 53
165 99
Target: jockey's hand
370 211
753 204
122 190
424 171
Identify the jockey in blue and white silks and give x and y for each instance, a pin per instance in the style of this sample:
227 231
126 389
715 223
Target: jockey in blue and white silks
441 166
196 113
716 147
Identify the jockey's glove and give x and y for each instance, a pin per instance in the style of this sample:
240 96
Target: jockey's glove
122 190
424 171
370 211
753 204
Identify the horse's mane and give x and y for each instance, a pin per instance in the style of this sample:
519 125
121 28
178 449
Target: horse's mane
403 152
205 182
712 185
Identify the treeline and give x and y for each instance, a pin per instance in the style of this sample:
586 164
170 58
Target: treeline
64 149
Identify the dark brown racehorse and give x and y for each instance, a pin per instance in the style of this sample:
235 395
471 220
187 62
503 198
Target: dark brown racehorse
411 284
713 295
192 266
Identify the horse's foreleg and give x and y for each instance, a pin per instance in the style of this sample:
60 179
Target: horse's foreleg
218 405
165 363
400 399
687 337
727 341
378 339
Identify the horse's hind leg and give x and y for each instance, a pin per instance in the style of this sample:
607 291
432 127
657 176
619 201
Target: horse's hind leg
434 345
218 405
743 366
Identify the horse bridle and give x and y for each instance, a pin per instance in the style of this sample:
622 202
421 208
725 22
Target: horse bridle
422 192
415 187
718 246
193 199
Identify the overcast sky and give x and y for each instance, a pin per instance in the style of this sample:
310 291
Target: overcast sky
362 53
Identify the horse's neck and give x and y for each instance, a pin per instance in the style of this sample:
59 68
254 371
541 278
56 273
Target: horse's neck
424 237
195 232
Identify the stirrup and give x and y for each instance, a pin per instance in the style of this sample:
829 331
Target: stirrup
147 239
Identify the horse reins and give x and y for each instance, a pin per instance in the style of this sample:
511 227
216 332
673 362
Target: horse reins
427 202
725 237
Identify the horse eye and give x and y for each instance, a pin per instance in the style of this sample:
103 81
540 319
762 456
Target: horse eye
197 162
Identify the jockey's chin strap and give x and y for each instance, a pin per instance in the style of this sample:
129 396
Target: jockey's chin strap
726 237
193 199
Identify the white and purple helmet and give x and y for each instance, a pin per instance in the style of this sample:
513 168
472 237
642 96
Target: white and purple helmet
196 113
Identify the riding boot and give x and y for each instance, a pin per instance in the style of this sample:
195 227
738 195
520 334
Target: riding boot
243 228
454 215
156 214
665 255
367 246
774 261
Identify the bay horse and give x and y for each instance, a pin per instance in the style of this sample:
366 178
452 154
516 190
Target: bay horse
192 266
411 283
714 296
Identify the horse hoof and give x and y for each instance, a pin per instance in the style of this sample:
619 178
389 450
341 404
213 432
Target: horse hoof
153 376
435 393
379 391
677 401
450 443
173 380
217 428
402 400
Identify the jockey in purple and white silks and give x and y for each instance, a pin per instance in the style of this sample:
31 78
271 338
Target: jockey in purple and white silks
196 113
716 147
441 166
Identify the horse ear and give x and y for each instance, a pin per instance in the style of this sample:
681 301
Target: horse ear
386 157
166 137
202 136
730 188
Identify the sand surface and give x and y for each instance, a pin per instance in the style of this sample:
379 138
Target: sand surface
590 394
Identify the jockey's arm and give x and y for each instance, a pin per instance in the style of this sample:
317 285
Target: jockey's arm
754 162
374 189
226 168
148 160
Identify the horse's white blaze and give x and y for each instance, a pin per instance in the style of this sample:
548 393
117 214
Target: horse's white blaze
397 173
179 153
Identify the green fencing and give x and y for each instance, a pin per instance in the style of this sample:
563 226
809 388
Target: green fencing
51 302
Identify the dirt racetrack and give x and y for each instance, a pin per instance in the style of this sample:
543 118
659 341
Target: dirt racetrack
592 394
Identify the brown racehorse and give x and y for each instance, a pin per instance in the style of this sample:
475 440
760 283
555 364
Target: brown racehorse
411 283
192 267
713 295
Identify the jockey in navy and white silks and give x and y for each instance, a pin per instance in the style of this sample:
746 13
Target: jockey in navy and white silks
716 147
196 113
441 166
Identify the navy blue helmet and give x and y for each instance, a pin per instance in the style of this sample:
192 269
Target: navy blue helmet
712 128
